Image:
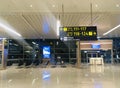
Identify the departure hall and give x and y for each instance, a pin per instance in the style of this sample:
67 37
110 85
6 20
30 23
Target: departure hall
60 44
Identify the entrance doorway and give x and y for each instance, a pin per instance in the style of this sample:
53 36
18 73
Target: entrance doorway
86 55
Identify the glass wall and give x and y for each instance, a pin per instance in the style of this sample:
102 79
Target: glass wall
0 53
30 51
26 52
116 50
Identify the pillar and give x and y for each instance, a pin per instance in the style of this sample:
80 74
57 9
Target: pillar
78 54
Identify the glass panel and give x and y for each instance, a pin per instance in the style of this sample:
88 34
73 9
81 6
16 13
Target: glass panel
33 49
94 55
0 53
0 59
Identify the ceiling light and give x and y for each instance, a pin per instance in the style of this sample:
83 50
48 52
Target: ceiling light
16 44
58 25
31 5
37 44
33 42
53 5
117 5
2 38
27 51
9 29
98 37
96 5
111 30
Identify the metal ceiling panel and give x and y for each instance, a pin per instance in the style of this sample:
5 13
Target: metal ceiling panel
38 18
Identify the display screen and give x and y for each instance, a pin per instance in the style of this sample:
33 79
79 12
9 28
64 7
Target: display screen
46 52
96 46
82 32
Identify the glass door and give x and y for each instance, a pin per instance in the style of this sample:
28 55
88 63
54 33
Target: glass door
91 55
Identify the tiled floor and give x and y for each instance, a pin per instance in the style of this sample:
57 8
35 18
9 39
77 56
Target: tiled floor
107 76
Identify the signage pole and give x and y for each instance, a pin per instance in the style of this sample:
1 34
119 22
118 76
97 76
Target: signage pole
91 14
78 54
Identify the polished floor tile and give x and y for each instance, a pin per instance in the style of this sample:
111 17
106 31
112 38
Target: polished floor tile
107 76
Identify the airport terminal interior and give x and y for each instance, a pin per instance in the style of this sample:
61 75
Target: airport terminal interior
60 44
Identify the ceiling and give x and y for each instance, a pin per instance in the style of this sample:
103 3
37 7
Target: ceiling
38 18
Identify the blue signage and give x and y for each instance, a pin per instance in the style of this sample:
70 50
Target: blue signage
46 52
96 46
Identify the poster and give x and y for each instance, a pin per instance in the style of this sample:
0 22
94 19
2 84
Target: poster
46 52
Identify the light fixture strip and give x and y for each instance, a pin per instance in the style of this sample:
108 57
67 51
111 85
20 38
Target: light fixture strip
58 25
9 29
112 30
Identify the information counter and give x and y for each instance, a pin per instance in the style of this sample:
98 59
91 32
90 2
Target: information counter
96 61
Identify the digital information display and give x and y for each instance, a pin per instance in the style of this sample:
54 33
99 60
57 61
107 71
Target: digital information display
46 52
82 32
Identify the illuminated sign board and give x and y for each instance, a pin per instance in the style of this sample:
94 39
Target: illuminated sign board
95 46
46 52
82 32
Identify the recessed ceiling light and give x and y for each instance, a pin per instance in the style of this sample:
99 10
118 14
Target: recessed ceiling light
53 5
96 5
31 5
117 5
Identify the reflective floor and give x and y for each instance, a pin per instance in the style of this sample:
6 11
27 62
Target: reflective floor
107 76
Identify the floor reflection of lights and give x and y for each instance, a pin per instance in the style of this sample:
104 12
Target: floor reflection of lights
106 76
